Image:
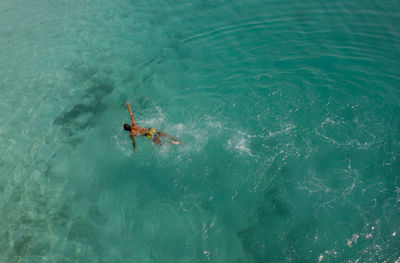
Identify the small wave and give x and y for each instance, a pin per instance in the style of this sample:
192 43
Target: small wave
234 28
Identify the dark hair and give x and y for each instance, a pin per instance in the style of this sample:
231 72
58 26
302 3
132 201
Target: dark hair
127 127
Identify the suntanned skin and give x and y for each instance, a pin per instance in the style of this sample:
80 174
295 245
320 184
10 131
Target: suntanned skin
136 130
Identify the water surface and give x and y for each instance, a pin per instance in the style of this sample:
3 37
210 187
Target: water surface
288 111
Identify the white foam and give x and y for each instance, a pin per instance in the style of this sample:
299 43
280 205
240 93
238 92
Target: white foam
242 147
158 119
240 142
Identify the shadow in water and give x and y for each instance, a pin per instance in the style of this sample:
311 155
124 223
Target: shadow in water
83 114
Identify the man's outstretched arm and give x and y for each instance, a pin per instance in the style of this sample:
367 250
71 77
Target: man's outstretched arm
133 140
130 112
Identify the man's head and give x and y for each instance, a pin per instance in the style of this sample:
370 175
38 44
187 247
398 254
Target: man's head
127 127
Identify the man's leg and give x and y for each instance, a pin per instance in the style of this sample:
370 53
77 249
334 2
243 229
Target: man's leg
174 141
157 140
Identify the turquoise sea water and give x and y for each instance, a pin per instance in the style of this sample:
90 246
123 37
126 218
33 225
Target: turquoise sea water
289 113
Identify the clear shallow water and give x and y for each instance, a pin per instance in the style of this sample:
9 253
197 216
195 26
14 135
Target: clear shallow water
288 110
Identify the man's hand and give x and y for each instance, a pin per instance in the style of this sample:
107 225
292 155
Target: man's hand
133 140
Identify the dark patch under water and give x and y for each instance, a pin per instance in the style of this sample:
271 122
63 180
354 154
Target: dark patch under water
83 115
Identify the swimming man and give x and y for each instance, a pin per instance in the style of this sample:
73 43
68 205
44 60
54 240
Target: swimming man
151 133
